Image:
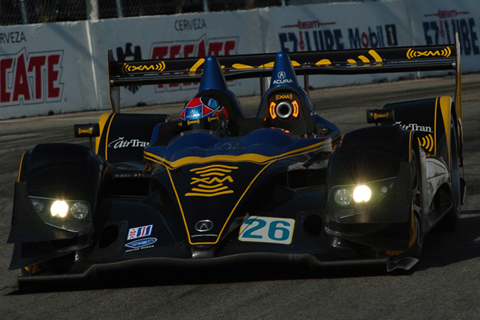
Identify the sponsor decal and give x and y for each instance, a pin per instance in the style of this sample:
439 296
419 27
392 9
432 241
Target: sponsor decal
141 244
281 78
194 113
412 54
377 116
284 96
85 131
427 142
139 232
414 127
283 81
31 78
440 28
121 143
210 181
128 68
204 225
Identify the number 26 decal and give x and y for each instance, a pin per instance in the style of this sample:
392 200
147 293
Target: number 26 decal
267 229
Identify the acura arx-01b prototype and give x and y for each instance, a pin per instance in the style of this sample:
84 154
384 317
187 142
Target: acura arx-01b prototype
215 185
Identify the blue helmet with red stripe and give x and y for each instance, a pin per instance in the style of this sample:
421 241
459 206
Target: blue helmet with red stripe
205 114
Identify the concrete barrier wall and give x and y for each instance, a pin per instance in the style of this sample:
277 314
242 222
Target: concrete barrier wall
62 67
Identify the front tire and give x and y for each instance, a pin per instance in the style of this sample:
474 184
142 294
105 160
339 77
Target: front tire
450 221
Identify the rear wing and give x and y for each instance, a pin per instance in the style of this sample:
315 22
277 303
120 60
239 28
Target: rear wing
357 61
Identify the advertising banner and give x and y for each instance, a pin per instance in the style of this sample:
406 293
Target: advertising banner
176 36
437 21
45 68
62 67
338 26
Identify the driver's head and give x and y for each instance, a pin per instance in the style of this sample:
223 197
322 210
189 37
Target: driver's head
204 113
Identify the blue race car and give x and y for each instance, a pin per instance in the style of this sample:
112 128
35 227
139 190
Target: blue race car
215 185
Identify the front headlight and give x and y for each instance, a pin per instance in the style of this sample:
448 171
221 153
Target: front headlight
343 197
59 209
359 194
66 214
350 200
362 194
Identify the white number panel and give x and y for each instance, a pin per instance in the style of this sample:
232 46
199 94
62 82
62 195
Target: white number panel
267 229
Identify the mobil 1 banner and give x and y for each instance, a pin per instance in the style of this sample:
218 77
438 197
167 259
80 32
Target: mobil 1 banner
339 26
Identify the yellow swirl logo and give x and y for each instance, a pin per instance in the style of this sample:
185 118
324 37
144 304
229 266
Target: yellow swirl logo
210 181
412 54
426 142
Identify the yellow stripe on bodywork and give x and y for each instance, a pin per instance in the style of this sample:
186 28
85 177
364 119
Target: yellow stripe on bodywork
249 157
410 146
254 158
20 168
102 122
229 216
445 107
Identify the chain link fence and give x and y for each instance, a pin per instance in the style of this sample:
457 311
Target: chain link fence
13 12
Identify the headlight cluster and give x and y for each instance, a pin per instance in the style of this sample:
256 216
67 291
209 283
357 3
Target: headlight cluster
363 194
360 194
51 210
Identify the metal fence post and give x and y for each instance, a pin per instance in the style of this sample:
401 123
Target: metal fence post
23 7
119 8
92 10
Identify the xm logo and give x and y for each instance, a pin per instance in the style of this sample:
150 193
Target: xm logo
211 181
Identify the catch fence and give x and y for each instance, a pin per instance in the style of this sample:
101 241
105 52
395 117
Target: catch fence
14 12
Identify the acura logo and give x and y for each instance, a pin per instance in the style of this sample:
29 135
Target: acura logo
204 225
281 75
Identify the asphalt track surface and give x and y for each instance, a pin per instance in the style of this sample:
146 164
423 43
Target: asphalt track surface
445 284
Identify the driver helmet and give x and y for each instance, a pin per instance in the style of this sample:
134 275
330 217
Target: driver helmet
204 113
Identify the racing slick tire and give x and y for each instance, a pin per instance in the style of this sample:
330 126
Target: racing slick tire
407 259
418 233
450 221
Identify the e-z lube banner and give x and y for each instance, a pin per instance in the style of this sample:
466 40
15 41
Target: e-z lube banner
437 21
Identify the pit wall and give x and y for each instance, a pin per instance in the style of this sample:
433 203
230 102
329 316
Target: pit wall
62 67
